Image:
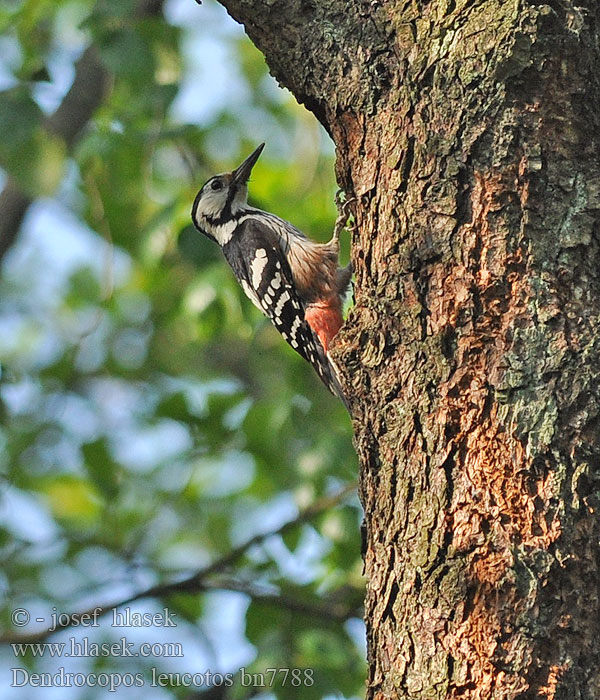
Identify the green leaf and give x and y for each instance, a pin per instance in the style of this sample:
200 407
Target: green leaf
101 467
292 538
196 248
174 406
71 498
84 287
33 156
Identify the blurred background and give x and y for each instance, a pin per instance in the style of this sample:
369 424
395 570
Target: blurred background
151 419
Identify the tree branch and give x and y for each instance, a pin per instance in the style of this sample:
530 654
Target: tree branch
79 104
331 609
13 206
198 582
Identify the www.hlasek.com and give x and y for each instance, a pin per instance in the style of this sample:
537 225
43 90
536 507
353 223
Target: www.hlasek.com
84 647
282 677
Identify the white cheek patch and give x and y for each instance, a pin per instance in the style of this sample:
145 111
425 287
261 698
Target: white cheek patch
257 267
211 203
240 201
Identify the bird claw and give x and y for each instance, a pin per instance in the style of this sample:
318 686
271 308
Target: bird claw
343 207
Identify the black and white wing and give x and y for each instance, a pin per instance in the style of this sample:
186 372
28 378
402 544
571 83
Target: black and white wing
264 273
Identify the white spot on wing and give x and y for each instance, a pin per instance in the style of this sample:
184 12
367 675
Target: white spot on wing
257 267
295 326
281 303
251 295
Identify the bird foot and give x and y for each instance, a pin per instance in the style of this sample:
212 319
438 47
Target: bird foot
344 213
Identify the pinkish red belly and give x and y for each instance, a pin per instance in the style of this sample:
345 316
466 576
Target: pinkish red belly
325 321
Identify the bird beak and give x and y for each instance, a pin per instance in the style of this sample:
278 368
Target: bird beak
242 172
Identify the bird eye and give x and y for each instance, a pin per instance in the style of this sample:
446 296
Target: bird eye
216 185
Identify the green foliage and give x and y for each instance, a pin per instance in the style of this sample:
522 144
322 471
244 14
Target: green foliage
34 157
152 420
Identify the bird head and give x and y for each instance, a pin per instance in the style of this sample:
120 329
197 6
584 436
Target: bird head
223 196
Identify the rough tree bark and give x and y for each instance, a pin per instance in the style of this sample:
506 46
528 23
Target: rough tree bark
468 132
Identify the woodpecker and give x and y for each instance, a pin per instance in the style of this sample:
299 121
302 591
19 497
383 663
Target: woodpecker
294 281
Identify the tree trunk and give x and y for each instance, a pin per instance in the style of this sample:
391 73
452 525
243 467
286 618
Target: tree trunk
468 132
